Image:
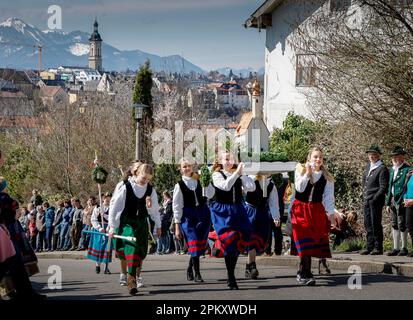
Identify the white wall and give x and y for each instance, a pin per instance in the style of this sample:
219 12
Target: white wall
281 93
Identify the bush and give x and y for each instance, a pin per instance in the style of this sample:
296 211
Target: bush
350 245
296 137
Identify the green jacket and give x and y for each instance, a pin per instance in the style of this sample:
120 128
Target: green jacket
398 184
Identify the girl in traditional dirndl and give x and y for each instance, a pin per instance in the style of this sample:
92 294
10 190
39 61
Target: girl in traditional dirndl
261 211
192 216
228 213
100 246
312 213
128 217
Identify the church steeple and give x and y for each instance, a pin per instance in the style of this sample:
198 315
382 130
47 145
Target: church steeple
95 52
95 35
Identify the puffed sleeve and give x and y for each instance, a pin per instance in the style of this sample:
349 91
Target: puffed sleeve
178 204
328 198
154 210
94 219
273 204
117 205
210 191
248 184
224 184
301 179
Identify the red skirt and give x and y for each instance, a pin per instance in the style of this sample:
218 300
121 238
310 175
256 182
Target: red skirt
311 227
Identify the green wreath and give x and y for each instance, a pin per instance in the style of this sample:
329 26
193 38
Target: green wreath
99 175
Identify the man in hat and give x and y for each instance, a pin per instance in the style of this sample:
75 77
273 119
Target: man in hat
375 186
394 201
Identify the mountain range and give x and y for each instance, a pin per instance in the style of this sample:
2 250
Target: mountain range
19 49
243 72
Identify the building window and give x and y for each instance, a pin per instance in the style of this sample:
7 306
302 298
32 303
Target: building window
305 70
339 5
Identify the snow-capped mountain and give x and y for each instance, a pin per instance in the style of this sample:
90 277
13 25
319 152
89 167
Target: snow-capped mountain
244 72
19 49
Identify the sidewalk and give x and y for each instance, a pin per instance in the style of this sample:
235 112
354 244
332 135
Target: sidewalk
340 261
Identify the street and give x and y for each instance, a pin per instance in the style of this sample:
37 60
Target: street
165 279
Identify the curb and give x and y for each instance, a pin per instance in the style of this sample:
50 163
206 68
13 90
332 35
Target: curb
401 269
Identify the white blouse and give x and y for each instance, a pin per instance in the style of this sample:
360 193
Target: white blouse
301 182
226 184
95 215
272 200
178 198
117 203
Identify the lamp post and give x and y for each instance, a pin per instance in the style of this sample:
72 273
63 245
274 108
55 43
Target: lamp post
138 107
82 107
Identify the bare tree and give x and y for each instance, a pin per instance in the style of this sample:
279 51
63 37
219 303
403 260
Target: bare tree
364 61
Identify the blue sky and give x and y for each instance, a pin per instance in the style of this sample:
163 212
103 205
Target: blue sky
209 33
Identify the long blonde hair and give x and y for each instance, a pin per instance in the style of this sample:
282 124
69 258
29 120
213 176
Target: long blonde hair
323 169
218 165
141 168
193 164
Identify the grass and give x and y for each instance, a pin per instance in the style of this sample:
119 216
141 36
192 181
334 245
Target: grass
358 243
350 245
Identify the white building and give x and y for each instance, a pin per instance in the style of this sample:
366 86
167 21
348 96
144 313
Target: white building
288 74
231 95
105 84
252 130
80 74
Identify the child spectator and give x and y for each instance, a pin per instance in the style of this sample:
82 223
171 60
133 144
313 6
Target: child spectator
164 243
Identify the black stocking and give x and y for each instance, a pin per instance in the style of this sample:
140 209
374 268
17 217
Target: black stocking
195 262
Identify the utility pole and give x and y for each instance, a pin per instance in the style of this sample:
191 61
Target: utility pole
40 58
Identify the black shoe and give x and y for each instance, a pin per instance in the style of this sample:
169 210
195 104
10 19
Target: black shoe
305 280
97 269
232 284
248 271
254 270
190 275
107 271
323 269
393 253
403 252
365 252
198 278
376 252
133 291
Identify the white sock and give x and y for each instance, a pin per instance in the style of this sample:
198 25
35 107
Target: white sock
404 239
396 239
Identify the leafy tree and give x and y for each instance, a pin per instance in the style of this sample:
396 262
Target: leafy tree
166 176
143 94
295 138
18 170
